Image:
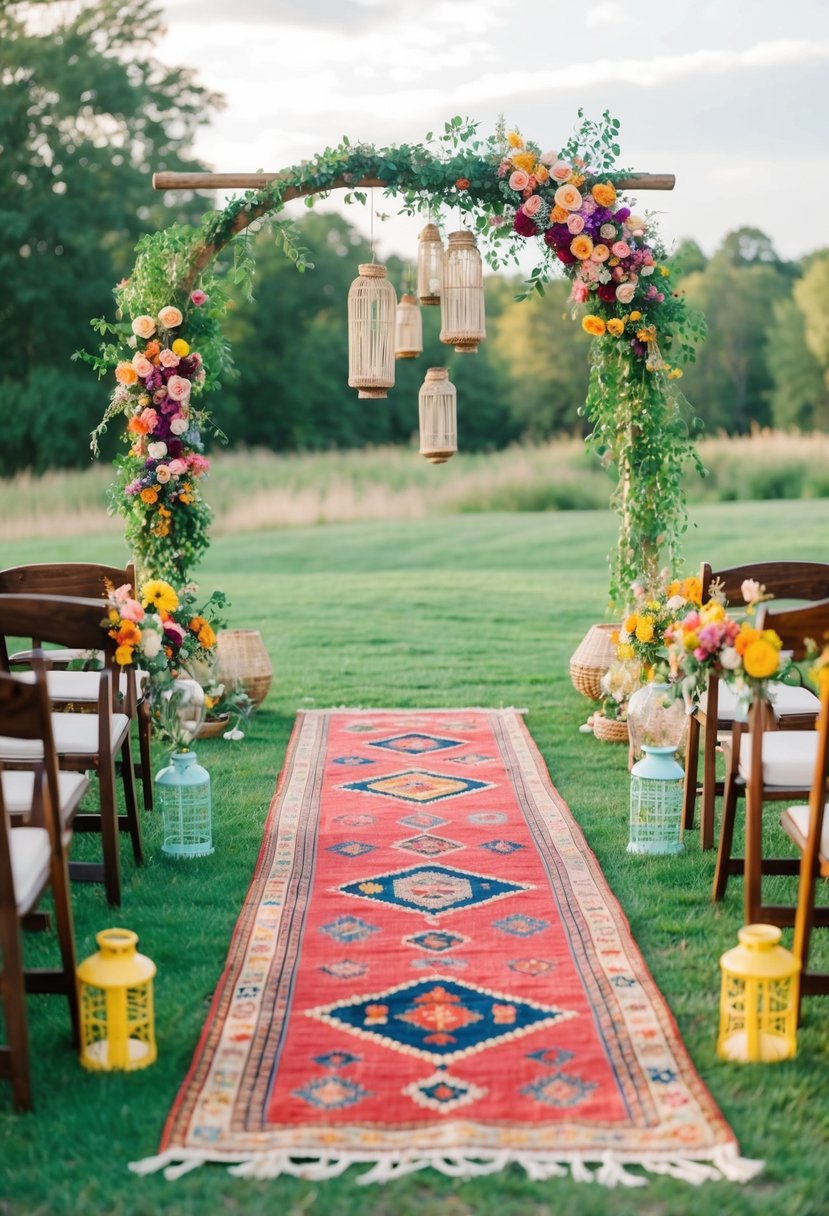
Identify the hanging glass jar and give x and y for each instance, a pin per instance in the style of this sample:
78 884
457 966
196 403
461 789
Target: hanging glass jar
656 718
371 315
408 343
429 265
462 319
437 402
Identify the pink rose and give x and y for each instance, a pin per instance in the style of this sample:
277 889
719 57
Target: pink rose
600 253
131 610
533 205
162 474
560 171
177 467
149 417
625 292
579 291
568 197
143 327
620 249
142 364
575 223
519 180
548 158
178 388
198 297
179 424
168 359
170 317
198 465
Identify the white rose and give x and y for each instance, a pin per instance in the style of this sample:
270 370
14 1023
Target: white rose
157 451
150 642
729 658
179 425
162 472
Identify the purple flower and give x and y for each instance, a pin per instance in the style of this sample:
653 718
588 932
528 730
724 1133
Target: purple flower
622 214
134 487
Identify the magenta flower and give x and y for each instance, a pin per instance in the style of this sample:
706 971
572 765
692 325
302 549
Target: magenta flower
198 297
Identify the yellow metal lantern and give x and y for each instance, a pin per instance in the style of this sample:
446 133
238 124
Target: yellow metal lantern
462 321
429 265
115 988
437 403
408 343
371 315
758 1004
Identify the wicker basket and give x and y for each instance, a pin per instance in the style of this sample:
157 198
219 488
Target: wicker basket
591 660
211 727
243 661
610 730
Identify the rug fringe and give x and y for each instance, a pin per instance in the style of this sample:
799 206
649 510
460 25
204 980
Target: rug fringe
609 1169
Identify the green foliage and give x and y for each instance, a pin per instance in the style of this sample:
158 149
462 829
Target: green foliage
84 120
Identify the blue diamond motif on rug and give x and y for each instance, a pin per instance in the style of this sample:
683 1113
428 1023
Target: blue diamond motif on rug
352 760
504 847
439 1018
435 889
332 1093
521 926
337 1059
559 1090
436 940
352 848
416 785
422 819
349 929
428 846
415 744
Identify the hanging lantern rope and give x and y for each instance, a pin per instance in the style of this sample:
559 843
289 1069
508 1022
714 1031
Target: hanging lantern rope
462 318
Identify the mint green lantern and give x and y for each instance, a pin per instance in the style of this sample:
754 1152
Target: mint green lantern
656 802
183 793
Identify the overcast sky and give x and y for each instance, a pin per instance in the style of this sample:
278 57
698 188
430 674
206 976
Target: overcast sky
730 95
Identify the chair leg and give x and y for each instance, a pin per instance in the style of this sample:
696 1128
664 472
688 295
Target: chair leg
729 813
689 792
145 731
709 786
753 862
66 940
14 1009
131 801
109 832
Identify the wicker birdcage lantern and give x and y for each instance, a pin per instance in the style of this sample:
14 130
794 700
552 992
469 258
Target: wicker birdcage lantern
371 315
462 320
437 402
429 265
408 342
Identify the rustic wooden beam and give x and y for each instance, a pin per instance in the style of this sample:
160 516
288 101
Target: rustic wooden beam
255 181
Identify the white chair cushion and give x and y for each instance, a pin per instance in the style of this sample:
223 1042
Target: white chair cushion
797 817
785 700
788 757
19 786
30 851
81 687
75 735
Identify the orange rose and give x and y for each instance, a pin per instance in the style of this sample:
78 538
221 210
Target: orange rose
126 374
604 194
149 495
594 325
615 327
558 215
581 247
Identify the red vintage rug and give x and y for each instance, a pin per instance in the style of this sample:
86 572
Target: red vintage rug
430 970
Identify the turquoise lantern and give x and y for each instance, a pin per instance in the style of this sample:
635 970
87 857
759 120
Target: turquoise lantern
183 792
656 802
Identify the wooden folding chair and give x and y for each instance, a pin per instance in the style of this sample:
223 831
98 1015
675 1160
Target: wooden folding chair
83 580
83 741
32 858
768 765
794 708
808 827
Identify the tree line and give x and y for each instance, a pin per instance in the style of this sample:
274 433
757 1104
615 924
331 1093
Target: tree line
83 123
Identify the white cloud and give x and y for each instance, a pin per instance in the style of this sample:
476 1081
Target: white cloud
603 14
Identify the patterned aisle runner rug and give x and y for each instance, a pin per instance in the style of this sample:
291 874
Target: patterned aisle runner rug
430 971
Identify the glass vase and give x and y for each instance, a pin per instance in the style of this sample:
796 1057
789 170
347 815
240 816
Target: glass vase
656 719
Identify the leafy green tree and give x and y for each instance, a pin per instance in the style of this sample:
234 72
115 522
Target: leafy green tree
687 257
812 296
800 394
84 122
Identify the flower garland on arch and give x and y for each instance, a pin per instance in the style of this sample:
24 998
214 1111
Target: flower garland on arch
512 192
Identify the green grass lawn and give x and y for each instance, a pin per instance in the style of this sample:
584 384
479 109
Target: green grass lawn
470 610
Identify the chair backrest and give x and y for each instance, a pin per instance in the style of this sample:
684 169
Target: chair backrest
77 623
25 713
784 580
797 626
82 580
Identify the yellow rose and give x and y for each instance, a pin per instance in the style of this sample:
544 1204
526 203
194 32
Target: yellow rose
180 348
691 640
760 659
624 651
711 612
636 315
644 629
594 325
604 194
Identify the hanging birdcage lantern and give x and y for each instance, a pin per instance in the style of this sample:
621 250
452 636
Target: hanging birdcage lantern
462 323
429 265
437 402
408 342
371 314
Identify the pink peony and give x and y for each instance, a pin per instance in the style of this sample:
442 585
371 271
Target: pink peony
198 297
620 249
177 467
579 291
575 224
561 171
178 388
131 610
625 292
199 465
533 205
